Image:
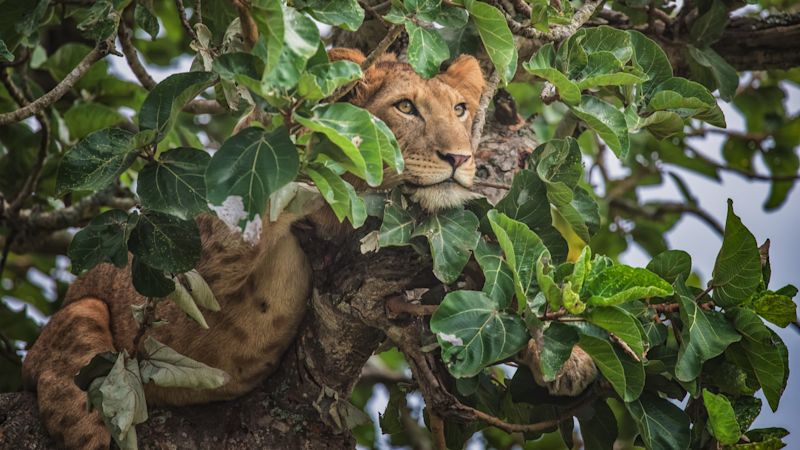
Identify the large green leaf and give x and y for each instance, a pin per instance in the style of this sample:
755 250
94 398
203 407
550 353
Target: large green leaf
721 418
622 324
498 278
96 161
651 59
764 350
354 130
397 226
598 426
661 424
557 343
165 242
175 183
522 249
252 165
162 105
346 14
86 118
527 202
619 284
737 270
119 397
708 28
496 36
671 264
474 332
725 76
541 65
426 49
625 375
301 41
340 195
105 239
150 282
452 235
271 30
165 367
322 80
776 308
705 335
607 121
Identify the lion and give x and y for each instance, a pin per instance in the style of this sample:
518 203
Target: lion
262 289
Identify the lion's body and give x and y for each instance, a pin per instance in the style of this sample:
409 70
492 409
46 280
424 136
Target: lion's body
262 289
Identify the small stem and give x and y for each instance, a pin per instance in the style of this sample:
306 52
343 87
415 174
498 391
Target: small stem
480 115
185 20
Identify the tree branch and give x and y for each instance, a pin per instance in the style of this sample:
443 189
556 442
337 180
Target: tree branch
38 105
480 115
657 212
132 57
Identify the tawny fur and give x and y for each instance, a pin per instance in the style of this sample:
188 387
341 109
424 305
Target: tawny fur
263 290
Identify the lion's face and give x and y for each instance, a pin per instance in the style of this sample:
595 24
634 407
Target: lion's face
431 120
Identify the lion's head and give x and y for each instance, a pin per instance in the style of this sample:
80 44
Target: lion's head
432 121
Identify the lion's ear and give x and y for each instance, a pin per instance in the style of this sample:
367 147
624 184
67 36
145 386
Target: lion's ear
465 75
349 54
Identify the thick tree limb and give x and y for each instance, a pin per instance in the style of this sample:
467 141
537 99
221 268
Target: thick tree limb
38 105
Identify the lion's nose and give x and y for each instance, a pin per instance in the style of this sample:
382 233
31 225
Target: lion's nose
455 160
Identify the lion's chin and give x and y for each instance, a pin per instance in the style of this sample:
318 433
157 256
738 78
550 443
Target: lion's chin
442 196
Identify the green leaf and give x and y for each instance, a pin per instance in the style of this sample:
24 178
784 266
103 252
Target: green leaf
625 375
737 270
166 242
598 427
301 41
474 333
671 264
607 121
497 38
622 324
271 29
781 162
340 195
721 418
165 367
322 80
103 240
146 19
691 96
426 49
765 352
185 301
724 74
86 118
96 161
346 14
162 105
4 52
252 165
175 183
558 340
541 65
705 335
708 28
661 424
150 282
452 235
619 284
357 133
651 59
778 309
527 202
229 66
498 278
397 226
522 248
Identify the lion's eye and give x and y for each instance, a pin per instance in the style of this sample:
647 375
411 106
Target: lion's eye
406 107
461 109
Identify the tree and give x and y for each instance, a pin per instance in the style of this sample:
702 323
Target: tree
454 297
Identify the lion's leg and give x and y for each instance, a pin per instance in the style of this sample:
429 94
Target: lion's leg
69 341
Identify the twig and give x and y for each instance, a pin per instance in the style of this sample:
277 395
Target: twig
249 27
132 57
185 20
373 56
655 213
397 306
491 184
437 430
557 33
480 115
624 346
745 173
38 105
6 250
